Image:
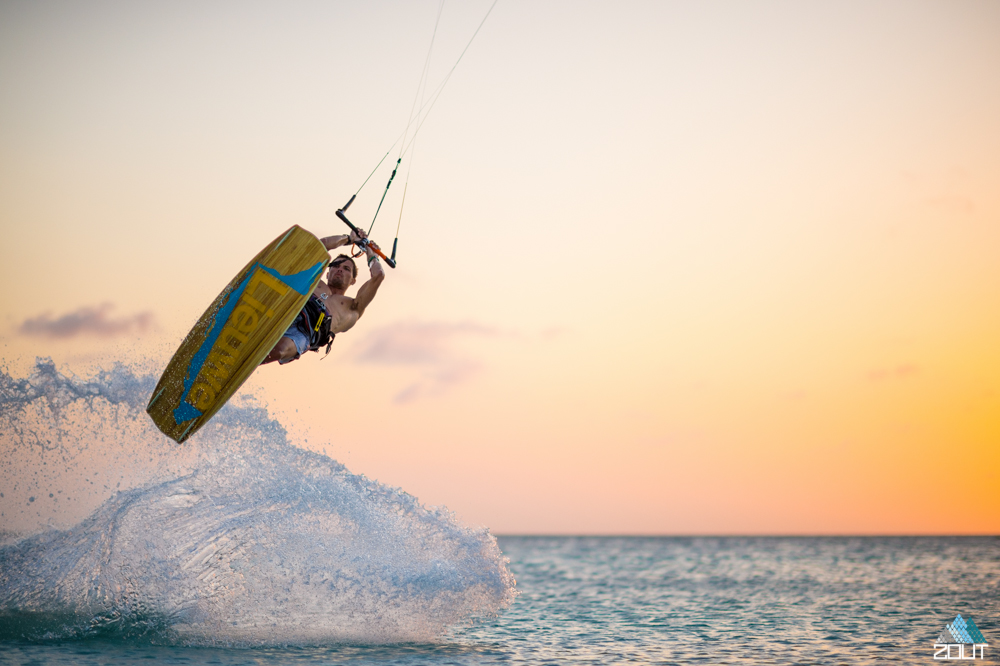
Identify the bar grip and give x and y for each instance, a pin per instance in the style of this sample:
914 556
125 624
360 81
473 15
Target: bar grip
340 214
374 247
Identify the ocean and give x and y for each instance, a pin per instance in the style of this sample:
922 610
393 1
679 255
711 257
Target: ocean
245 549
668 600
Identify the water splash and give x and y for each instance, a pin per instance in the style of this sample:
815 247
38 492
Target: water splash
236 539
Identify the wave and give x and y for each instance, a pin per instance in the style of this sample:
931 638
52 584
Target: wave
236 538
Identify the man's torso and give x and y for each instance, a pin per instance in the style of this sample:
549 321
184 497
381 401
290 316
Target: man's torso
339 308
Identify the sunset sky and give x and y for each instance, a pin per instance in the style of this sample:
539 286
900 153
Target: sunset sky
664 267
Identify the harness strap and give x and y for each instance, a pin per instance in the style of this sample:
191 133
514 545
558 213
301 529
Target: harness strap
320 335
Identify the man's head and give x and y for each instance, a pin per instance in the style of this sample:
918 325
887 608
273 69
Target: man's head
343 272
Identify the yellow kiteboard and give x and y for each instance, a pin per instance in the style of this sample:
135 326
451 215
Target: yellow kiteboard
236 332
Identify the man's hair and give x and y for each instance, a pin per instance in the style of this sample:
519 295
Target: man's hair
341 258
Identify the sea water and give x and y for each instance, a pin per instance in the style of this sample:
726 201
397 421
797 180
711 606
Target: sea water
120 547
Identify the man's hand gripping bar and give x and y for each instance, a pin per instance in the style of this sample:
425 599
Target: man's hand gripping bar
364 242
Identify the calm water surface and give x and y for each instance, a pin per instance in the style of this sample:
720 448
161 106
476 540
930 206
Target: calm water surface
673 601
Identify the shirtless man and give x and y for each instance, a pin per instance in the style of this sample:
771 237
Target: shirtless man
341 311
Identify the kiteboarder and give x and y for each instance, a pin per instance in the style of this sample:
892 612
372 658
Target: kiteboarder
329 310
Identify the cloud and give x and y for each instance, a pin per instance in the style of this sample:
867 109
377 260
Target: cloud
89 320
417 343
429 347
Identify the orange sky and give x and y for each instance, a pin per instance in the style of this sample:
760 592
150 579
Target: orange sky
664 267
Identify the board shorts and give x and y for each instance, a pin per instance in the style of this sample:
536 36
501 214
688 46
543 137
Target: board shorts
298 333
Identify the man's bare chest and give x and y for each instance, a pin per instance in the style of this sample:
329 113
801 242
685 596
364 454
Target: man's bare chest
339 308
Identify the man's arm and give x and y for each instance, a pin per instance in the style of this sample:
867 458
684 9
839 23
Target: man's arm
331 242
367 291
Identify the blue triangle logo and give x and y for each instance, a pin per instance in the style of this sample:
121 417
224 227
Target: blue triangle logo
961 630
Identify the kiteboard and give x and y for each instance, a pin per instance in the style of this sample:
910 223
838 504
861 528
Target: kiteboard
236 332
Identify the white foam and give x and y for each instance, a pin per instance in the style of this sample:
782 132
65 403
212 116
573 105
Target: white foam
234 538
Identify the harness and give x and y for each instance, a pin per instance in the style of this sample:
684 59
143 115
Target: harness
318 321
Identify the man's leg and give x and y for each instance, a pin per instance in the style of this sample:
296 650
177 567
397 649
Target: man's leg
285 350
293 344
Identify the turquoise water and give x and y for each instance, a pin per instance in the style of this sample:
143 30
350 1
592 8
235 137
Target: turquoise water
672 601
242 548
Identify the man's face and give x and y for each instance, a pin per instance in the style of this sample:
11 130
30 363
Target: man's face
341 275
